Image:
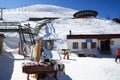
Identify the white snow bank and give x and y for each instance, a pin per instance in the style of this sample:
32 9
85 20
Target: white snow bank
76 68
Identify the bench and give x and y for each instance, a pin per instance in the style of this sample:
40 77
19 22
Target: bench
43 69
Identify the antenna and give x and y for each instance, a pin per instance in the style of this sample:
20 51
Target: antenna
1 10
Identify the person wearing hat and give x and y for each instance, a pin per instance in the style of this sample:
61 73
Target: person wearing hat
117 55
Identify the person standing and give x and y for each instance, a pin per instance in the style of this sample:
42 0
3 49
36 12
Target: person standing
117 55
66 54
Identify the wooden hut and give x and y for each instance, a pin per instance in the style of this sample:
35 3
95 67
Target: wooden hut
103 43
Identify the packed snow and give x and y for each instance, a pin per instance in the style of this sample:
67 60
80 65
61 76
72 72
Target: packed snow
39 11
103 67
76 68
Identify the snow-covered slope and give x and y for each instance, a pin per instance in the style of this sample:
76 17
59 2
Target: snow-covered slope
43 8
85 68
61 27
39 10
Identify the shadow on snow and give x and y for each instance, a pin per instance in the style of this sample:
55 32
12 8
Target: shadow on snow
6 66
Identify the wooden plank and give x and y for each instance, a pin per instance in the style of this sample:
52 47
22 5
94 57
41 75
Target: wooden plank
38 54
38 50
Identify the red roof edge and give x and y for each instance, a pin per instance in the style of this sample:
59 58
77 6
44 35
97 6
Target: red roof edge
98 36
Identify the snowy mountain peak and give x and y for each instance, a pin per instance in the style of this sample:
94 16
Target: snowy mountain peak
38 10
44 8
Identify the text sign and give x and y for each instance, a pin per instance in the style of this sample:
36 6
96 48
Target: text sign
88 40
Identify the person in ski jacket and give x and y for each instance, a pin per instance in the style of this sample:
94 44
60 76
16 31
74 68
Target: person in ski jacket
117 54
66 54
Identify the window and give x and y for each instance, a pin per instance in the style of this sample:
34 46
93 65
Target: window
75 45
111 42
93 45
84 45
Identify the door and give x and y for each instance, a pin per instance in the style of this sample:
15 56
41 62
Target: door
105 46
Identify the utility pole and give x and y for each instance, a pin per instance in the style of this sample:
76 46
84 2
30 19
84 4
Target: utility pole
1 10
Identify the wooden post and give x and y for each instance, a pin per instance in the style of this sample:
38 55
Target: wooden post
38 54
18 47
28 77
38 50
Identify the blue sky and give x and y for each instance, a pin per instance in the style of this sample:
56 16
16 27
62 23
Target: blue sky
105 8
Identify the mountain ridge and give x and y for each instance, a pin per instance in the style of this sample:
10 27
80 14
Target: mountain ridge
43 8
